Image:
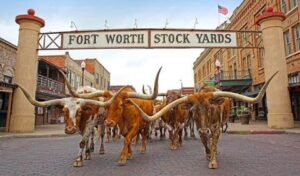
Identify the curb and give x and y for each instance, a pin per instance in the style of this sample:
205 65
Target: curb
35 135
256 132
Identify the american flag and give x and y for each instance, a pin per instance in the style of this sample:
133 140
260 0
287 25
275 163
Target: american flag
222 10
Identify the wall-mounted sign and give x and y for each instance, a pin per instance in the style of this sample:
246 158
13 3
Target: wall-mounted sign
148 38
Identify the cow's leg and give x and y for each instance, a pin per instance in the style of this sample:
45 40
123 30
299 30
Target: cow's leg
79 159
144 134
172 136
129 153
102 131
185 132
92 145
180 137
115 132
127 141
213 143
192 126
87 151
108 134
204 139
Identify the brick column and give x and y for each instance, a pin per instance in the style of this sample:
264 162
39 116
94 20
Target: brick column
23 118
278 99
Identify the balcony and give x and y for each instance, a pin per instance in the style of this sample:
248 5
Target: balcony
232 80
50 86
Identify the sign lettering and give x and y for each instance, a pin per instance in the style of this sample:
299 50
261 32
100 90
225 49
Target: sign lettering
143 38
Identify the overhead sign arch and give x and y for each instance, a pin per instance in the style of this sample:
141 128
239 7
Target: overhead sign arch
144 38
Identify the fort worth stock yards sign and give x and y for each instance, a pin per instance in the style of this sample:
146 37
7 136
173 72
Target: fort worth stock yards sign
147 39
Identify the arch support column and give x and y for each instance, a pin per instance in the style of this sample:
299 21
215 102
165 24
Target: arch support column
23 118
278 98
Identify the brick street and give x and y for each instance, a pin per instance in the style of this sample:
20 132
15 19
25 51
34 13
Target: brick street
238 155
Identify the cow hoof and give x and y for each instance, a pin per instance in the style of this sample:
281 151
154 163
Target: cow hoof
173 147
129 156
101 152
213 165
142 151
87 157
122 162
106 141
77 163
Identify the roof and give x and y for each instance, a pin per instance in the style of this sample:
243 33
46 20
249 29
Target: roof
44 60
188 90
8 43
57 60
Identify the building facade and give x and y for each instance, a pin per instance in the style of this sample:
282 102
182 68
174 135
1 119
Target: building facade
101 74
242 69
8 55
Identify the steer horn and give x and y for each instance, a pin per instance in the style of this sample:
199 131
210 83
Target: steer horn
62 101
98 93
147 96
215 94
243 97
38 103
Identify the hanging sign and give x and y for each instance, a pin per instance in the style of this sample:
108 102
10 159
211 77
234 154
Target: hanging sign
142 38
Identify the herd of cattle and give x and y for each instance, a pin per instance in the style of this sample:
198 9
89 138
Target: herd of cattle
91 112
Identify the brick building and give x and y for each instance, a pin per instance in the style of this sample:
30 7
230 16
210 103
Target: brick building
242 70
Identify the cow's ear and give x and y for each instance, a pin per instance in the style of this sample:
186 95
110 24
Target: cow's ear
217 101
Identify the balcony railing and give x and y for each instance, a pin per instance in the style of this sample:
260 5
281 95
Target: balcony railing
231 75
50 86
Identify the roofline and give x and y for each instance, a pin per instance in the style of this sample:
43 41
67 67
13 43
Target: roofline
8 43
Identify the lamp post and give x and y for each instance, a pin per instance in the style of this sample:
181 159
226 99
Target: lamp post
181 86
218 67
82 65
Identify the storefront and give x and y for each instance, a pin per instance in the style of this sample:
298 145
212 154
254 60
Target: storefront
6 92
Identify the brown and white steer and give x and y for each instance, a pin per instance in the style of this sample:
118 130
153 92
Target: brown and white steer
81 115
210 110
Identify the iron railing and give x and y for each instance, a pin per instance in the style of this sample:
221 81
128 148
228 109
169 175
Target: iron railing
50 85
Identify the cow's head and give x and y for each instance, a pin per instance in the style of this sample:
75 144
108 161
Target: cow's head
172 96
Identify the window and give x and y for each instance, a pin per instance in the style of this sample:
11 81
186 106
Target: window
261 57
7 79
287 43
297 36
97 78
293 3
283 6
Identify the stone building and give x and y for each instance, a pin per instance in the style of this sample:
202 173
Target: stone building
242 70
8 56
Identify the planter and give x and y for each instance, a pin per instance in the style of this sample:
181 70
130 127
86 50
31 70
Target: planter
244 118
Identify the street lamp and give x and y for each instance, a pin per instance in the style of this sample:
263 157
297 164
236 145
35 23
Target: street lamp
82 65
181 85
218 67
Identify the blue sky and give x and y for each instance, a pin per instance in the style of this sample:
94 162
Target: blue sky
134 67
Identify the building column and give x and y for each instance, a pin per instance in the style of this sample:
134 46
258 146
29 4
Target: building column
23 118
278 98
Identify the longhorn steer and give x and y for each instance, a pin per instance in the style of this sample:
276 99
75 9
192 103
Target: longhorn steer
208 114
122 113
175 119
80 115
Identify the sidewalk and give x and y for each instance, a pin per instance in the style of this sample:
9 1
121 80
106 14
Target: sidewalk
255 127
